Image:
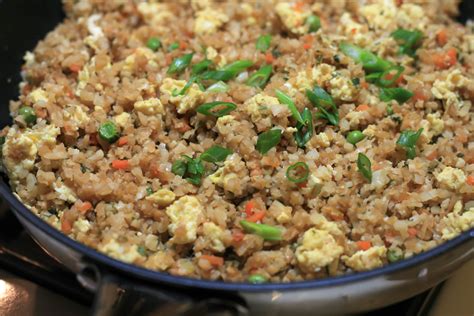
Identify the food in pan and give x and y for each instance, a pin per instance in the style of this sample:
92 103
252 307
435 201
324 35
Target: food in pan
259 141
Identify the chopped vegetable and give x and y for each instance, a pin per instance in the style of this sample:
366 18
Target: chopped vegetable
444 60
108 131
363 244
263 43
255 217
324 102
304 131
201 66
122 141
173 46
354 137
180 63
285 99
249 207
369 61
257 279
149 191
84 207
412 231
216 108
267 140
260 78
186 87
365 166
217 87
398 94
28 114
394 255
141 250
298 172
153 43
267 232
442 37
408 40
314 23
215 154
213 260
120 164
389 110
228 72
388 78
362 107
408 140
470 180
190 169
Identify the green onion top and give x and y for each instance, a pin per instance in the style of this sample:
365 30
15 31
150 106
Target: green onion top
298 172
354 137
409 40
263 43
215 154
408 141
180 63
267 232
217 87
267 140
108 131
216 108
314 23
153 43
365 166
394 255
173 46
285 99
398 94
304 131
369 61
149 191
201 66
189 168
260 78
28 114
325 104
227 72
257 279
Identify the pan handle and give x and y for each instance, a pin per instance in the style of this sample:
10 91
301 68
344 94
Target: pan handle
117 296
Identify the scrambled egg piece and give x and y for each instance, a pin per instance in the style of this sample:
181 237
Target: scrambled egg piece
159 261
412 16
281 212
380 16
248 9
316 180
342 88
369 259
354 30
370 130
208 21
230 174
321 222
29 58
122 119
258 106
162 197
76 115
185 215
212 54
293 20
151 106
380 179
38 96
82 225
322 140
319 74
200 4
318 249
432 126
118 251
215 235
445 89
64 192
155 14
455 223
223 121
95 31
185 102
452 178
129 63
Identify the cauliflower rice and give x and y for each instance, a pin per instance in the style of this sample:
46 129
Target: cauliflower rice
124 197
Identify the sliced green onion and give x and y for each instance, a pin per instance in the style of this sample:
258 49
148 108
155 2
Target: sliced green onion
389 109
324 102
201 66
356 81
186 87
267 232
304 131
354 137
142 250
398 94
285 99
263 43
365 166
28 114
108 131
383 82
408 140
149 191
173 46
314 23
217 87
153 43
179 167
394 255
267 140
215 154
179 64
188 168
260 78
257 279
369 61
408 40
298 172
223 108
228 72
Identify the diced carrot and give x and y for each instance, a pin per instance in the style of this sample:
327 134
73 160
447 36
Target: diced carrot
362 107
470 180
354 31
308 41
238 235
442 37
412 231
336 217
364 84
307 45
269 58
122 141
75 68
376 167
120 164
363 244
154 170
432 156
249 207
168 59
399 79
84 207
420 95
256 216
445 60
41 112
183 45
66 226
213 260
298 6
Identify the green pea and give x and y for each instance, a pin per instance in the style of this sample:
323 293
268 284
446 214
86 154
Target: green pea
354 137
394 255
28 114
314 23
108 132
257 279
154 44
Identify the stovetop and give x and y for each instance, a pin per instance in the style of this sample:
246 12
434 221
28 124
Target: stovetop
33 283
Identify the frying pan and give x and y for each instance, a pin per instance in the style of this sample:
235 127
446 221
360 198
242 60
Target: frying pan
125 289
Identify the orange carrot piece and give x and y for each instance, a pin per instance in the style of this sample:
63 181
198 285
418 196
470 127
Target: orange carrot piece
122 141
84 207
364 84
420 95
237 235
256 216
183 45
445 60
412 231
120 164
249 207
470 180
66 226
75 68
269 58
298 6
376 167
362 107
213 260
442 37
432 156
363 244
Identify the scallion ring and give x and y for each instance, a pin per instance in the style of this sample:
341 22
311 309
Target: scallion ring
297 172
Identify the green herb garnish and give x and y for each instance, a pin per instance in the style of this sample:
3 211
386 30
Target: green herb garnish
267 140
408 140
267 232
219 86
304 131
153 43
369 61
180 63
325 104
260 78
409 40
365 166
263 43
189 168
398 94
285 99
215 154
394 255
173 46
298 172
227 72
216 108
257 279
201 66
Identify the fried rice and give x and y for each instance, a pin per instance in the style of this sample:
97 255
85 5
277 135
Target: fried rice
111 145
